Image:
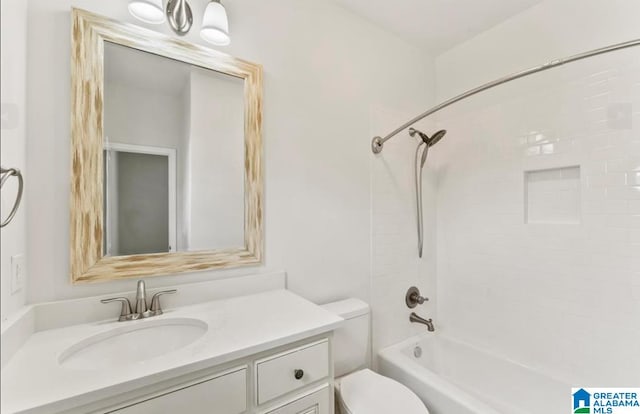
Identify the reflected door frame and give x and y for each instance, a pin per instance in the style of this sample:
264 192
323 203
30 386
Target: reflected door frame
170 153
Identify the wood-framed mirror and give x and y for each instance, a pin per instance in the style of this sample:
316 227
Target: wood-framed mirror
166 157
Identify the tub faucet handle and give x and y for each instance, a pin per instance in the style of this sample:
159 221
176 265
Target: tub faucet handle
413 298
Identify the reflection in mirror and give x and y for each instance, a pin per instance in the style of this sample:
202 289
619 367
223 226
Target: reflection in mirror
173 155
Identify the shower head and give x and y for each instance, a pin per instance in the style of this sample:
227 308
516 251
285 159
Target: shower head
421 159
425 138
437 137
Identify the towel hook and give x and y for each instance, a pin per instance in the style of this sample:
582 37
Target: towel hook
5 174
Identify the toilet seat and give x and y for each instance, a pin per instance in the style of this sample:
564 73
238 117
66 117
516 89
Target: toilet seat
365 392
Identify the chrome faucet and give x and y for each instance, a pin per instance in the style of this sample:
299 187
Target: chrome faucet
141 310
141 301
417 319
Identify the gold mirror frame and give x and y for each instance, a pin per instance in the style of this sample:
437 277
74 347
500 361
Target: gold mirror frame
88 264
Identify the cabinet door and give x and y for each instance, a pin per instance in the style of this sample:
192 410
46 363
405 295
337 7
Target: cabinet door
316 403
226 394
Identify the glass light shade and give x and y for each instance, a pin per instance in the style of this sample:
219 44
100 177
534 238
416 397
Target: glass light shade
215 25
149 11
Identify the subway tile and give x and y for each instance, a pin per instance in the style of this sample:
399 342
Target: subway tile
633 178
492 262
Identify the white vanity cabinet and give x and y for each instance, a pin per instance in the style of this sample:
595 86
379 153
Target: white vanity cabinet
291 370
226 393
290 379
315 403
270 352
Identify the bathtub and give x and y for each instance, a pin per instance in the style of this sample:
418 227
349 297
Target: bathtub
455 378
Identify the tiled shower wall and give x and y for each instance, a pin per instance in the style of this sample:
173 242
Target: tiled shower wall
559 295
395 265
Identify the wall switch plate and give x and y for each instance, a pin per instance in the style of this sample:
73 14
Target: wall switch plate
17 273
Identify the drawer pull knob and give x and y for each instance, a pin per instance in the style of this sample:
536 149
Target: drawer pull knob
298 373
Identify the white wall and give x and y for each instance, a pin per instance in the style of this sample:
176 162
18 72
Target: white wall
150 117
320 88
550 30
216 161
13 54
563 298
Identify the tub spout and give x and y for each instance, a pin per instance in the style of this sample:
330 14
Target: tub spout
417 319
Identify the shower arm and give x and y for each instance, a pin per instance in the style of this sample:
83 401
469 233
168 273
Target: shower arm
378 142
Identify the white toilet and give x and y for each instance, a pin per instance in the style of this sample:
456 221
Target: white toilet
358 390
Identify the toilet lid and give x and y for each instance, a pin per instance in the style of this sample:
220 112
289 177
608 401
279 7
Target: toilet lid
365 392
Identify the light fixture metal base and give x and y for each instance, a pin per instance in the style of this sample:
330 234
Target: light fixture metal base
376 145
179 16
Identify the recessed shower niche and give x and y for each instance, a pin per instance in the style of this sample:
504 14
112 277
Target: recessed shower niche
552 195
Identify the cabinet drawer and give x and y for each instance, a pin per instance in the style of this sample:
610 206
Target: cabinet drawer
276 375
226 394
316 403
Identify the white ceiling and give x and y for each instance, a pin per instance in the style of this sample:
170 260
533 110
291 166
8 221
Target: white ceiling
437 25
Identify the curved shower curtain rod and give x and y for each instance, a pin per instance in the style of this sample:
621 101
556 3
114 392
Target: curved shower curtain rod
378 142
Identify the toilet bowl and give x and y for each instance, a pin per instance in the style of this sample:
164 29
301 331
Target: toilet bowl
358 389
365 392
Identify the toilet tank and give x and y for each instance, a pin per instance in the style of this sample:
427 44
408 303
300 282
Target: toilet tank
351 342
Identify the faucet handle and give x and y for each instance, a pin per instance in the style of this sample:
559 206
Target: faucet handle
413 298
156 309
125 311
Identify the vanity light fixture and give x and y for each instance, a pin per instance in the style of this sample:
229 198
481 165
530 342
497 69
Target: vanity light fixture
180 16
149 11
215 24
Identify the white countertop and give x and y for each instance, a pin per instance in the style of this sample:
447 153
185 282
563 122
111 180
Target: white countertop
33 380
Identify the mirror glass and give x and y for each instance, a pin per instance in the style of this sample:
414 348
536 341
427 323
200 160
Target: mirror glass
174 169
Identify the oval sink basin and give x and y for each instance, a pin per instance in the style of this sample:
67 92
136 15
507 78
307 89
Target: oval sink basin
133 342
